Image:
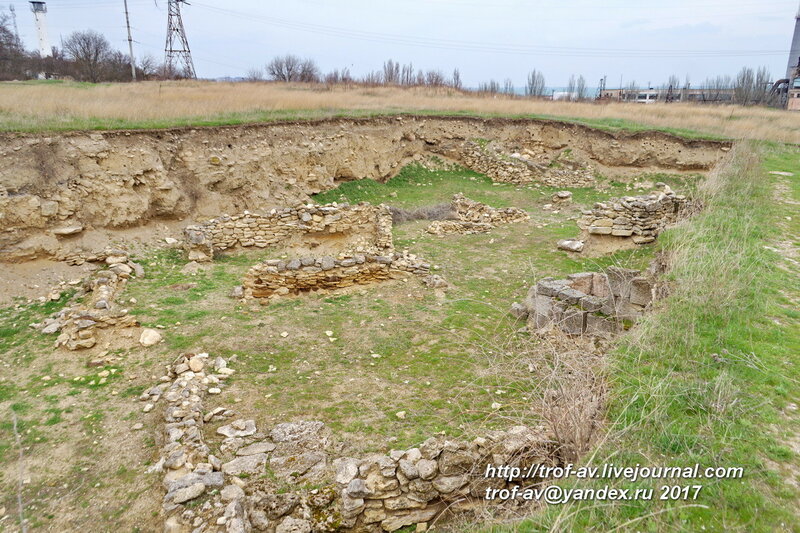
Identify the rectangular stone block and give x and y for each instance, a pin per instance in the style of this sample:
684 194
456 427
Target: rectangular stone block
570 296
622 232
600 285
641 291
597 230
550 286
600 325
542 315
592 303
573 321
620 280
582 282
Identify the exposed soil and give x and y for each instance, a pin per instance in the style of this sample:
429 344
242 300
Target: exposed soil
56 190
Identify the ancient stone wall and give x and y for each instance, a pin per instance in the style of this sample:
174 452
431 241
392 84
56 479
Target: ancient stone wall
296 276
475 217
639 218
78 325
362 228
588 303
55 189
375 493
524 168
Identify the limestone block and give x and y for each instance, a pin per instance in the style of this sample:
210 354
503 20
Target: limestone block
573 321
600 325
641 292
620 280
600 230
581 282
550 286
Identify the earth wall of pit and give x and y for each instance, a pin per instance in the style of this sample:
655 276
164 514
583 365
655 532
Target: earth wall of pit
56 188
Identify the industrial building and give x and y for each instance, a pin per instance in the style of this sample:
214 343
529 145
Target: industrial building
651 96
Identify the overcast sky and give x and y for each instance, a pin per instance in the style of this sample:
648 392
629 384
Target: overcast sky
641 40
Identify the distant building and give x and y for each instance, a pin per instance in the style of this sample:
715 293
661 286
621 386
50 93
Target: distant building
651 96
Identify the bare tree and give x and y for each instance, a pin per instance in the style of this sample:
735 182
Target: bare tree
490 87
435 78
581 92
455 82
407 75
290 68
147 66
116 67
12 55
536 84
90 51
744 86
763 86
309 72
391 73
715 89
373 78
571 85
254 74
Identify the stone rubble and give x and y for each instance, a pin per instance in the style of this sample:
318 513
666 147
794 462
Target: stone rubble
376 493
475 217
523 168
361 228
588 303
640 218
79 323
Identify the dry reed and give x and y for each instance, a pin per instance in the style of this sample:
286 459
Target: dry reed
68 106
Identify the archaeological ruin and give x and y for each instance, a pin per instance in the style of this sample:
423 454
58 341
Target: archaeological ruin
72 198
470 217
361 228
588 303
379 493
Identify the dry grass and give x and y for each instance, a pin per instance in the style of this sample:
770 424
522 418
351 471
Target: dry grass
30 106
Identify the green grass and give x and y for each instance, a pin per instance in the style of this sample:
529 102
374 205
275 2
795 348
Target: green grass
429 348
707 377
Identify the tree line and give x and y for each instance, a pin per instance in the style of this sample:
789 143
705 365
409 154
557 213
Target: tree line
89 56
83 56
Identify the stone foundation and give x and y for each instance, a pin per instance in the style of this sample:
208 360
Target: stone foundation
639 218
523 168
282 278
363 228
475 217
78 324
375 493
589 303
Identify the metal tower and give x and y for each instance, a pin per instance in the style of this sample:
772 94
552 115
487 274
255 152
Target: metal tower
39 10
178 55
794 55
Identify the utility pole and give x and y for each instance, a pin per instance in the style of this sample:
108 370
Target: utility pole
177 48
130 41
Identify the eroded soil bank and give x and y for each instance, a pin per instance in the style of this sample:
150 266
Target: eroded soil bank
56 189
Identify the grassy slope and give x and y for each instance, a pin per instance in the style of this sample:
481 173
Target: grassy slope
10 123
709 376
